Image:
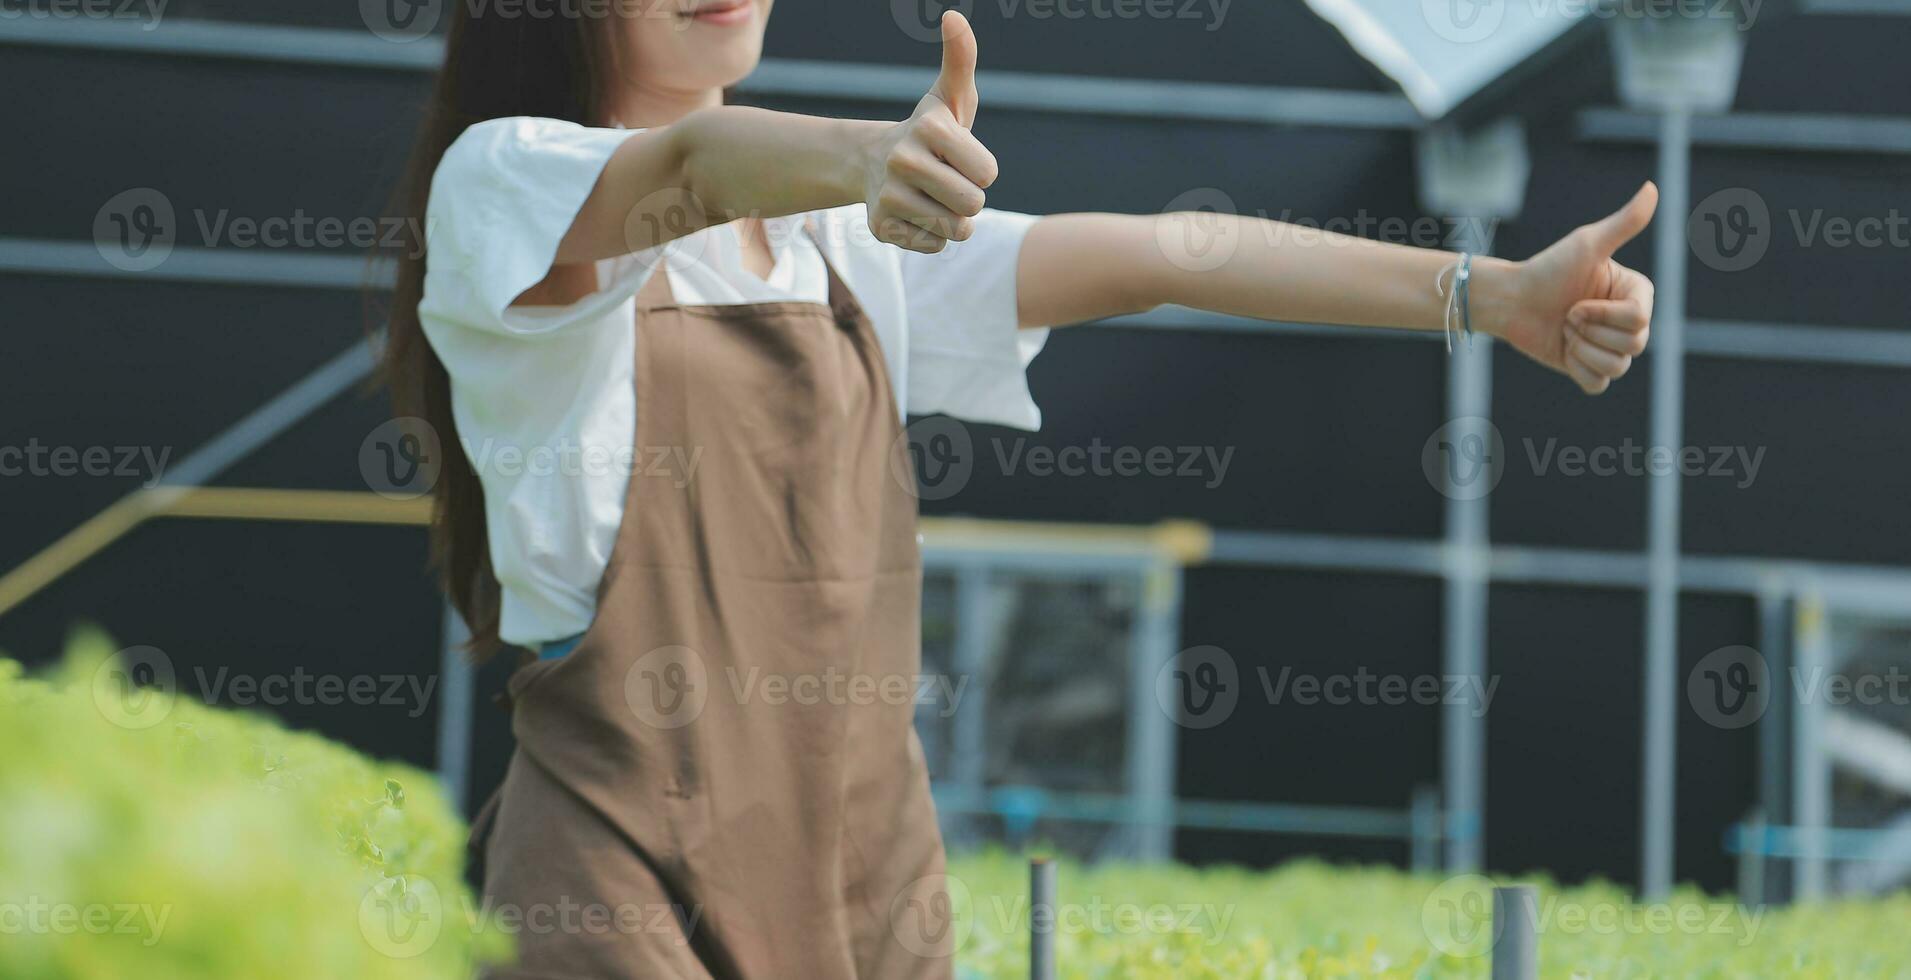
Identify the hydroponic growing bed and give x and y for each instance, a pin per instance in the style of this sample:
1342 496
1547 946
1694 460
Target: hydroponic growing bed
210 845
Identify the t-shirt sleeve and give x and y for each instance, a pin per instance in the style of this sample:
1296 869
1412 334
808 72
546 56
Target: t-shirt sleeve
502 200
968 356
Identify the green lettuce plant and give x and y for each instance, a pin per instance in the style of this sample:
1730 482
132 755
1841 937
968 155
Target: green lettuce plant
1313 920
144 835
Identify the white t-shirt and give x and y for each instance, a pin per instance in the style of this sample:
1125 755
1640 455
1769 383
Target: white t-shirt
543 396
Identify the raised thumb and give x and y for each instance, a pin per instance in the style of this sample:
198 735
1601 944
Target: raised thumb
956 85
1623 225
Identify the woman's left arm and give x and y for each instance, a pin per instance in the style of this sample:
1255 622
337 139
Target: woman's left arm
1571 307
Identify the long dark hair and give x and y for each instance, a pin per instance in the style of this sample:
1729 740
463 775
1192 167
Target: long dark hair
497 64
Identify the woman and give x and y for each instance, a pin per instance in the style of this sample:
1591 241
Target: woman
676 486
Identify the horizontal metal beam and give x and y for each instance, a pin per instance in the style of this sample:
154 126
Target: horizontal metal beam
1328 552
1804 841
1845 586
1858 588
223 39
1799 343
1802 131
192 264
898 84
1078 95
1031 804
1858 8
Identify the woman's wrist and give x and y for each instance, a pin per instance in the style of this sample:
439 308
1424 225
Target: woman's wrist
1493 294
862 146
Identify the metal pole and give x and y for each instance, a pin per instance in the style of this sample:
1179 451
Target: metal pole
1041 919
1751 858
969 762
1152 735
1424 815
1774 734
1662 520
1463 726
1811 780
456 691
1515 932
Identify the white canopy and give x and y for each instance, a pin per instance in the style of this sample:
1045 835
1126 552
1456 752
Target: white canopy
1441 52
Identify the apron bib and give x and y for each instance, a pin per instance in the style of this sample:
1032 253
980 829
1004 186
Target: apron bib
723 780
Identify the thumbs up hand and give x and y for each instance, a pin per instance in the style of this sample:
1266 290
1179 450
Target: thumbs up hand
925 177
1577 311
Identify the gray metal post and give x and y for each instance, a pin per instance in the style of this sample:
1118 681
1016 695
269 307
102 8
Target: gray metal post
1774 734
1151 739
1041 919
1811 779
1751 859
1477 178
456 691
1463 726
1662 521
1424 851
969 762
1515 932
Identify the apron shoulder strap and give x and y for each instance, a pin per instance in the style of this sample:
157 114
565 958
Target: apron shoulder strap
655 291
842 302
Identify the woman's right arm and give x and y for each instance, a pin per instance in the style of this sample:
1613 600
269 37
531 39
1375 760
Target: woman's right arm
922 178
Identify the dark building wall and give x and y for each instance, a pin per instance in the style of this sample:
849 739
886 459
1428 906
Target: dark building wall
1326 431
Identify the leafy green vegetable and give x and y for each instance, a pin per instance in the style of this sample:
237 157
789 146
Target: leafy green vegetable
143 834
1312 920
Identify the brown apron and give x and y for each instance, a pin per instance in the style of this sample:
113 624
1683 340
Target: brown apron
723 779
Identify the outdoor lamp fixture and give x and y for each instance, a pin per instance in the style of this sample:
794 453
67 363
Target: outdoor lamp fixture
1677 54
1672 57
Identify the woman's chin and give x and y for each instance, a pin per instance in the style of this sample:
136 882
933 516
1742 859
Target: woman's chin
726 65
